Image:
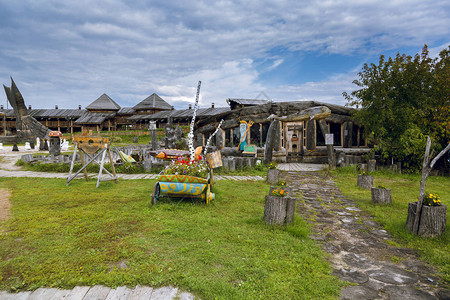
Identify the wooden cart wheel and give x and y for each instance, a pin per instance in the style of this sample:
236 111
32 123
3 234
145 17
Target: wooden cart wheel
156 191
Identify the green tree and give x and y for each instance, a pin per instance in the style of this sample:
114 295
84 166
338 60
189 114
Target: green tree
402 100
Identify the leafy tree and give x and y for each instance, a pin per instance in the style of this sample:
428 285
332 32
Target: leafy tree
402 100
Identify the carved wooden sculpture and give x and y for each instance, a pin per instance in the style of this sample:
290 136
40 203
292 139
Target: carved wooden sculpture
27 126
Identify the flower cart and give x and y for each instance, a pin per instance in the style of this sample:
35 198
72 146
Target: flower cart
188 177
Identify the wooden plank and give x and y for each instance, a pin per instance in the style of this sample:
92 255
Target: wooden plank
164 293
21 296
101 167
13 296
5 295
140 293
59 294
42 293
121 293
97 292
78 293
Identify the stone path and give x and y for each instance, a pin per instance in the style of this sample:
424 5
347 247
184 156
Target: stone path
300 167
99 292
19 173
9 169
358 248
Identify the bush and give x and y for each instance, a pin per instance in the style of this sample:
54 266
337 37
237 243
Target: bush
115 139
129 168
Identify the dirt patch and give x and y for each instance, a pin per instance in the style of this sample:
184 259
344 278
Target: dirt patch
5 205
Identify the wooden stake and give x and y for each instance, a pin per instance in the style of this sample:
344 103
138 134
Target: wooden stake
426 169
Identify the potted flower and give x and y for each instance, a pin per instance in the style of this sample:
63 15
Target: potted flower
273 174
381 194
279 207
365 180
433 217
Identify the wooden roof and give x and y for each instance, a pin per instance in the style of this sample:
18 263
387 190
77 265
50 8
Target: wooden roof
104 102
153 102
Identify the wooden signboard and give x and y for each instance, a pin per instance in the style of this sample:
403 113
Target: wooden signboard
249 149
214 159
329 139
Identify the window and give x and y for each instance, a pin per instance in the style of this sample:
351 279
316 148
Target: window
320 138
236 136
335 128
228 138
255 135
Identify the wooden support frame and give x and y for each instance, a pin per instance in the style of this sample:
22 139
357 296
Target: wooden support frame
90 159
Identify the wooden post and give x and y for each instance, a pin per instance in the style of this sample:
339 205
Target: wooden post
279 210
330 148
365 181
113 169
82 163
260 135
273 176
311 135
426 169
101 165
74 156
381 195
432 219
272 136
4 123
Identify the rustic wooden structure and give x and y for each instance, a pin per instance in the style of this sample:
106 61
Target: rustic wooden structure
273 176
279 210
371 165
91 147
432 220
302 126
27 127
365 181
427 166
381 195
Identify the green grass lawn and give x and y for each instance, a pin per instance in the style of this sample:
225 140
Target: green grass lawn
404 189
62 236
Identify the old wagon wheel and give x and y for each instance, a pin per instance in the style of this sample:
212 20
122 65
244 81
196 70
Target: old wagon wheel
156 192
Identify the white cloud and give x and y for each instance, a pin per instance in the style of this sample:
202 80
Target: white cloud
70 52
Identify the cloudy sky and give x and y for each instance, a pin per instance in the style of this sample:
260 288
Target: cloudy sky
70 52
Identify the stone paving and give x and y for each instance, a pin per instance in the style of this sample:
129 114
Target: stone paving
300 167
358 248
19 173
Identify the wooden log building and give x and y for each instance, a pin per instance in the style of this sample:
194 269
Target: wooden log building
304 137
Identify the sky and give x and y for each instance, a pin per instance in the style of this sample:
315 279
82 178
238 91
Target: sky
68 53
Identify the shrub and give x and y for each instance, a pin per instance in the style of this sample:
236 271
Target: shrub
115 139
